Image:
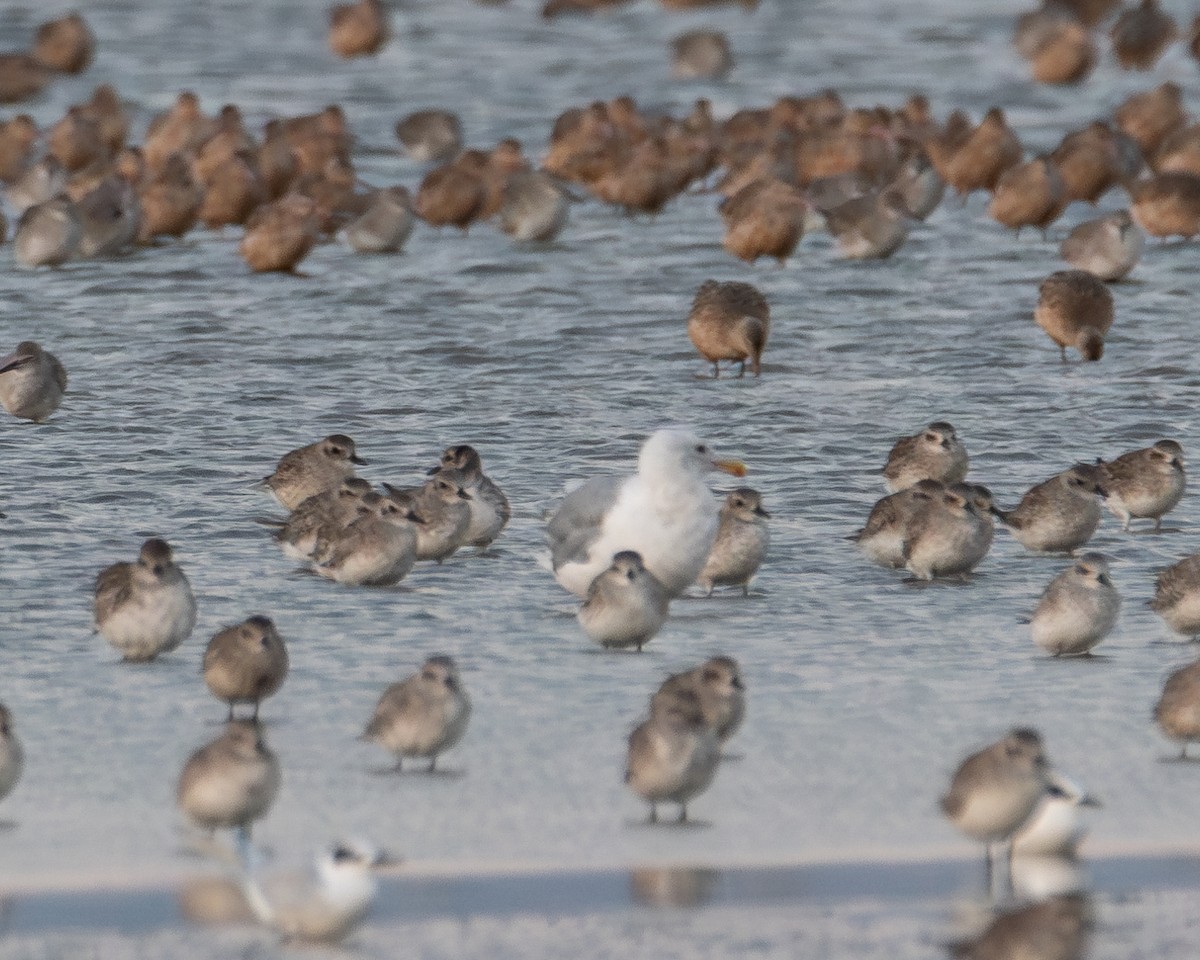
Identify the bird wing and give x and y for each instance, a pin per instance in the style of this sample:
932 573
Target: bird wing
112 589
577 523
60 373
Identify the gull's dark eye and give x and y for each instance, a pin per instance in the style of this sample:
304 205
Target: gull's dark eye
701 448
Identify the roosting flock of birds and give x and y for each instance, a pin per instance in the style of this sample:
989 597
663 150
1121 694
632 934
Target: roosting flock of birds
627 546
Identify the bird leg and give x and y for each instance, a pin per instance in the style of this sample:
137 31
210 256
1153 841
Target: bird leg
653 813
432 763
682 813
741 369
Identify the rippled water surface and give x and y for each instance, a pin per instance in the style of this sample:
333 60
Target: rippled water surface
189 378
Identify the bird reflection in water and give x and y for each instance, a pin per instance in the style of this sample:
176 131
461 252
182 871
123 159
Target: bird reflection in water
672 886
1052 929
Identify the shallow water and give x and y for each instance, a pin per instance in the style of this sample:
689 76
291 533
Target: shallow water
189 378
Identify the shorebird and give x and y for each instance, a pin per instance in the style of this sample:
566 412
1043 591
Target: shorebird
32 382
144 608
625 605
1078 609
673 755
245 663
741 544
422 716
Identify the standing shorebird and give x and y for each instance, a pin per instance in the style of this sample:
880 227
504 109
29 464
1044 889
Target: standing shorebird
146 607
1144 483
422 716
230 782
995 790
730 321
1059 514
489 507
1178 709
625 605
245 663
741 544
1075 309
1078 609
934 453
717 684
313 469
1177 596
32 382
673 755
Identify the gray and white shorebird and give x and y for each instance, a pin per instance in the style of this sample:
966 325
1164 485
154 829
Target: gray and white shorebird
144 608
700 55
1177 712
48 234
948 537
307 471
741 544
430 136
230 782
1177 596
321 517
1059 514
377 549
665 513
995 790
882 537
40 181
245 663
1078 609
490 511
12 755
32 382
935 453
730 321
717 684
1109 246
533 207
443 504
326 904
625 605
422 716
1075 309
673 754
870 227
1144 484
384 225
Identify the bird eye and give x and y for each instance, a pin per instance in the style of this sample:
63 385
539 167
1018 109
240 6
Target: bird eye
932 437
701 448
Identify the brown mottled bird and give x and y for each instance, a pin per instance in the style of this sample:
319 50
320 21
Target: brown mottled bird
1152 114
245 663
1030 194
1167 204
990 150
1178 709
1075 309
65 44
730 321
1139 36
764 219
279 235
1177 596
358 29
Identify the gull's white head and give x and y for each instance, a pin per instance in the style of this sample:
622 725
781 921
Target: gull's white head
676 450
346 866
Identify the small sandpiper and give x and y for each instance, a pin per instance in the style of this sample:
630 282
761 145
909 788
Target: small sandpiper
935 453
1144 483
377 549
717 684
1109 246
625 605
1178 709
1078 609
1177 596
948 537
1075 309
246 663
423 716
995 790
741 544
32 382
882 537
443 504
145 608
489 507
321 517
1059 514
673 755
313 469
230 782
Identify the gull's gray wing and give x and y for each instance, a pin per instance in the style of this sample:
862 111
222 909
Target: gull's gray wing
576 523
